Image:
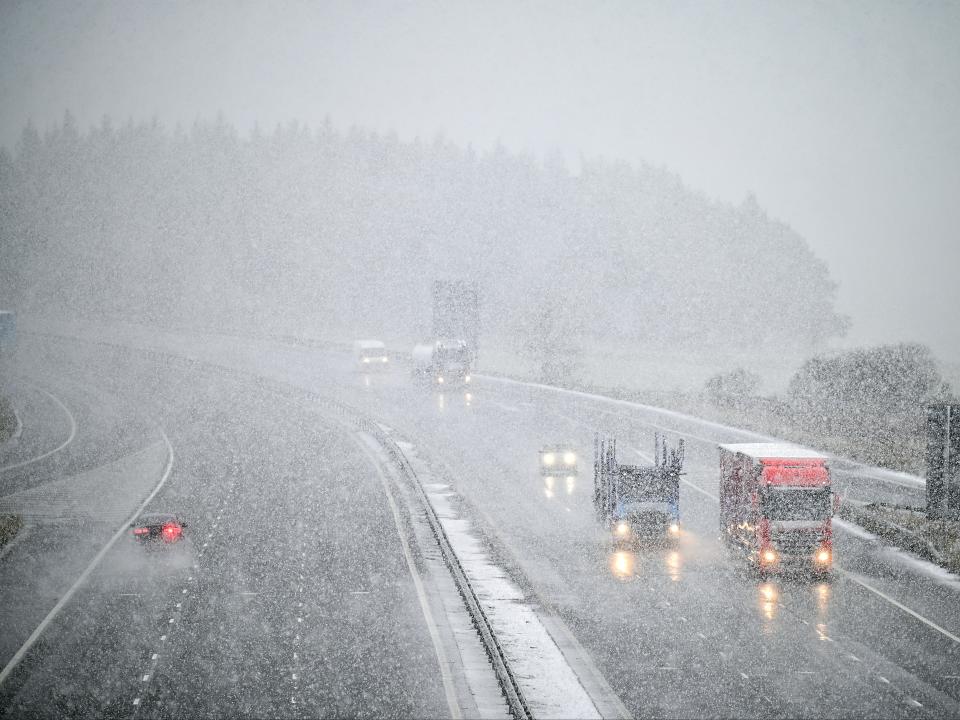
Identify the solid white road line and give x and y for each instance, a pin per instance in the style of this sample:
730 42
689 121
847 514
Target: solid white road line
448 687
918 616
61 446
67 596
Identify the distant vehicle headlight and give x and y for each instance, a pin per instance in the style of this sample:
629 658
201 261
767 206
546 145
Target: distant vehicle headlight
386 359
366 360
823 556
622 528
549 458
466 378
674 528
440 379
569 458
769 556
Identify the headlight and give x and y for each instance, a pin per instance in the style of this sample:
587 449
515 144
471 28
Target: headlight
769 556
366 360
466 378
622 528
674 528
569 458
549 458
440 379
823 556
385 359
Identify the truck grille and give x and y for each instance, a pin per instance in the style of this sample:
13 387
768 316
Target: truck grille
796 542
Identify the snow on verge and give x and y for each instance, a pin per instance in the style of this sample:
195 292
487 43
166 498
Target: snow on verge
549 685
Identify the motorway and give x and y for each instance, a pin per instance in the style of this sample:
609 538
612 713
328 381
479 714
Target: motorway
273 485
292 596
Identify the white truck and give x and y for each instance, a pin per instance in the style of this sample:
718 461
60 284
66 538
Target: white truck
441 362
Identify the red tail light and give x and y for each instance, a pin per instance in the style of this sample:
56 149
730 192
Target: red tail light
141 531
171 531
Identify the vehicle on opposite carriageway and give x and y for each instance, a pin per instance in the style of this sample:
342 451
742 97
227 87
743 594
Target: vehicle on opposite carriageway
158 529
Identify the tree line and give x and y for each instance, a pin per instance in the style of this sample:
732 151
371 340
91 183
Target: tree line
324 230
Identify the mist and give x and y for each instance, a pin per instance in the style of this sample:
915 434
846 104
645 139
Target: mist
314 315
841 121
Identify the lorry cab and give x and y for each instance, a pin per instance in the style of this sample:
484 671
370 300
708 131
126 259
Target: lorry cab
443 363
638 501
647 504
776 504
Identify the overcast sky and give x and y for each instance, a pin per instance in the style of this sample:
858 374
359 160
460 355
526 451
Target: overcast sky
843 118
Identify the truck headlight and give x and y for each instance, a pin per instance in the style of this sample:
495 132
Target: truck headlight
569 458
549 459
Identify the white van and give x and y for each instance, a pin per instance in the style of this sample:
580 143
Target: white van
371 355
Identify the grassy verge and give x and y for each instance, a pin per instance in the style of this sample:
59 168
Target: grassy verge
9 527
935 540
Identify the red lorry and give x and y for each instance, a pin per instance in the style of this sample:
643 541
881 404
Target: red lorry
776 503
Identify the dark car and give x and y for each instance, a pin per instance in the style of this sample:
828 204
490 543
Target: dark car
158 528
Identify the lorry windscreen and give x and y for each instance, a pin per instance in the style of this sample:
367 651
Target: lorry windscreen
796 504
